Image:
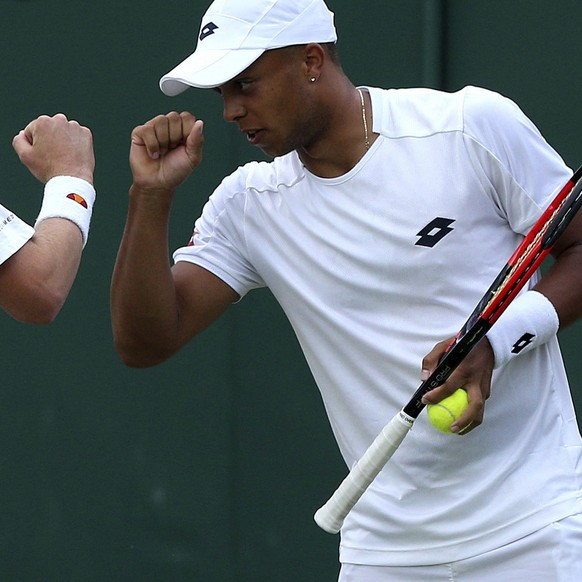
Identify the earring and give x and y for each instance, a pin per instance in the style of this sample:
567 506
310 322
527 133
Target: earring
312 79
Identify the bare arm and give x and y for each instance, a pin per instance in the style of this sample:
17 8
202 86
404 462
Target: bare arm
36 280
562 284
157 309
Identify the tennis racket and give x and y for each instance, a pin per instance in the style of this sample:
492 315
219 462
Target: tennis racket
523 263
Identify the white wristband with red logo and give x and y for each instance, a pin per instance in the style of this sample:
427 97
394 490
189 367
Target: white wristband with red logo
71 198
529 321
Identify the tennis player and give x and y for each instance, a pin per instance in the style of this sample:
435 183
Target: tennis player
382 219
38 265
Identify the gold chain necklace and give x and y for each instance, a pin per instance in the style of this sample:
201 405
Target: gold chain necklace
364 119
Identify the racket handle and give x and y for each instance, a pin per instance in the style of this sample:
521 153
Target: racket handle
330 517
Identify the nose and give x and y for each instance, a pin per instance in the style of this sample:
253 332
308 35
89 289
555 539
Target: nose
233 108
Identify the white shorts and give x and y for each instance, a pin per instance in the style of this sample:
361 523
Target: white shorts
552 554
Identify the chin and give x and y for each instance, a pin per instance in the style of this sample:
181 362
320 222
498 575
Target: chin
275 152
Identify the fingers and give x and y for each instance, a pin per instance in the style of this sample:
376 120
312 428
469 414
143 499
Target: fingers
21 142
47 124
25 138
473 415
53 146
473 374
164 133
165 150
431 360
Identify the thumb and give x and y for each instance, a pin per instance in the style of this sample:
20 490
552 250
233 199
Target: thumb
21 143
136 139
431 360
195 143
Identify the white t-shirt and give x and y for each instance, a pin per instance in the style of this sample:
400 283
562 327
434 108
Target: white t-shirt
14 233
372 269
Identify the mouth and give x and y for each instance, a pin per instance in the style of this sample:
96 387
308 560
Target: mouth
253 135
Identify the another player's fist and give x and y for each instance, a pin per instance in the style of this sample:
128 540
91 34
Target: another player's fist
56 146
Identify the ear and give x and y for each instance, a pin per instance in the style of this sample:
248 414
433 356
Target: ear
314 57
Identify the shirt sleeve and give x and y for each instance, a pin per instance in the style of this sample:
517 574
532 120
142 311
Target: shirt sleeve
14 233
218 242
519 169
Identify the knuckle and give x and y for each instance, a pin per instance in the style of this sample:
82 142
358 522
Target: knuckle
157 120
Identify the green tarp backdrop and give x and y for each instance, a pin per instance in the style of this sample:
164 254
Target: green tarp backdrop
209 467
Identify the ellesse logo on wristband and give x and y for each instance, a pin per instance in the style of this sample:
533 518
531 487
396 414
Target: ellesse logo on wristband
79 199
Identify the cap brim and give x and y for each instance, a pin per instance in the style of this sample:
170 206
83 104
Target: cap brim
208 69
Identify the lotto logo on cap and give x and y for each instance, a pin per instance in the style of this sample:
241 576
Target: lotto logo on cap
233 34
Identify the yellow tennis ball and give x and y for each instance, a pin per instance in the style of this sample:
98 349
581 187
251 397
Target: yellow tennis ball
444 413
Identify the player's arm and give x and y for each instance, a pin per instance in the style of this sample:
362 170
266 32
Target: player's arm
157 309
562 283
561 286
36 280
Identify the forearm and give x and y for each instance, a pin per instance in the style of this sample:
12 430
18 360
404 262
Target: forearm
36 281
147 315
535 317
144 307
562 285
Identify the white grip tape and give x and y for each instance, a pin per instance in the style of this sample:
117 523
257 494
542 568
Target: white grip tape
330 517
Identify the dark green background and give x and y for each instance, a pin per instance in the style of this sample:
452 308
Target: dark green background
209 467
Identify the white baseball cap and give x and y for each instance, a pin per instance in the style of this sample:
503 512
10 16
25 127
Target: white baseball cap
235 33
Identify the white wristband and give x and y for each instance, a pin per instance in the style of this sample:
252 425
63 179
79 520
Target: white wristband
529 321
71 198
